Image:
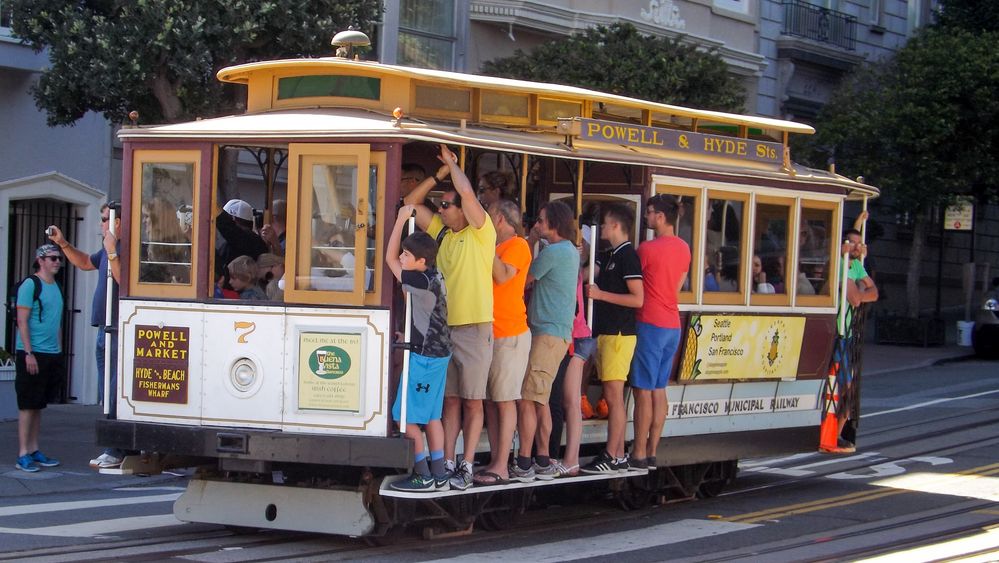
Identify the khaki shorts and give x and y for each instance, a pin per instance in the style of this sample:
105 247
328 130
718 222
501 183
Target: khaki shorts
547 352
614 353
471 355
506 374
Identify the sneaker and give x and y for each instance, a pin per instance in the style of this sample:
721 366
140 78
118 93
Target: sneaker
25 463
415 483
651 462
462 477
845 446
623 464
603 464
105 461
44 460
546 473
602 409
637 464
522 475
585 408
442 482
449 465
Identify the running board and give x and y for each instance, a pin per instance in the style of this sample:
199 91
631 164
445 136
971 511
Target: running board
386 491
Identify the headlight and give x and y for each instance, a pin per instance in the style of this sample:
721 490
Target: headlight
991 305
243 374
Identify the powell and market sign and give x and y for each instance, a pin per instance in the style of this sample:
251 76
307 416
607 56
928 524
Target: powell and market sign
673 140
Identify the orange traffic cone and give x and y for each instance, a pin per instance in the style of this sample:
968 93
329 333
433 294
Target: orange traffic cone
829 431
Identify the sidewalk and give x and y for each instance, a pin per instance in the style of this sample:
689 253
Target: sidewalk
67 435
68 432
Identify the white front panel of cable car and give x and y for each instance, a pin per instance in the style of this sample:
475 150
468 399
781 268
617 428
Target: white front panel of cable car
251 366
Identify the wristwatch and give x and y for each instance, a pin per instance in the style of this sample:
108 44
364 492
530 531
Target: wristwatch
112 257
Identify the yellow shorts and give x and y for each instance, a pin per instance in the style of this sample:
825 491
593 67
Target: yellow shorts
614 353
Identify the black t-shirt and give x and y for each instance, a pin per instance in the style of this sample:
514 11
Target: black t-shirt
431 336
616 268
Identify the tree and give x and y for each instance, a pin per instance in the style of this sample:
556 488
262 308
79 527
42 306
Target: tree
620 60
972 15
923 126
160 57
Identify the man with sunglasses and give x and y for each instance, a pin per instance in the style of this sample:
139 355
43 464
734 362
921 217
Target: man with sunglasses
39 364
467 241
104 259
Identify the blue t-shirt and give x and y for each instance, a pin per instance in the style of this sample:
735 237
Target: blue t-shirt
553 299
44 333
100 261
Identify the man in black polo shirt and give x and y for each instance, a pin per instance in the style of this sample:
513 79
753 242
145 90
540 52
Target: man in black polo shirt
616 294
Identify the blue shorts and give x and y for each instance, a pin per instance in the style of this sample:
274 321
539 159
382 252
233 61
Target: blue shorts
583 348
653 360
425 397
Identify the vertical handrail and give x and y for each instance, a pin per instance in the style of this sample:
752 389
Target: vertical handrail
592 257
108 306
406 335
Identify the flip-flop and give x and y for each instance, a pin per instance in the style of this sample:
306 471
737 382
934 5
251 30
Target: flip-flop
486 478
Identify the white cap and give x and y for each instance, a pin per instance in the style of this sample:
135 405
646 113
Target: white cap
239 208
588 234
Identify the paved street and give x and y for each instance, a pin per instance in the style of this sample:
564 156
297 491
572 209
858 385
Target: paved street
922 475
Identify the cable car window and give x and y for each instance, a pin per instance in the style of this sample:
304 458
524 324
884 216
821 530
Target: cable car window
769 261
162 262
723 245
814 264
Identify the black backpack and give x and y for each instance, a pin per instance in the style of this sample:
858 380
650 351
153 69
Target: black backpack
12 297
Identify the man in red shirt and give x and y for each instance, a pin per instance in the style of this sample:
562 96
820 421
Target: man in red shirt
665 262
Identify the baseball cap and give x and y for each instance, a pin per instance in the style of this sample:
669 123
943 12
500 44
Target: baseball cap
239 209
45 249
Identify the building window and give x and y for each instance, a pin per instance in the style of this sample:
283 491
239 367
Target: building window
426 34
6 17
874 14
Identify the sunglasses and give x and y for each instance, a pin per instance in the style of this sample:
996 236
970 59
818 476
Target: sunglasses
446 204
54 258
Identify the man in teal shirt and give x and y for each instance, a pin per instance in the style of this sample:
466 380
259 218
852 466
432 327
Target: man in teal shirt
38 362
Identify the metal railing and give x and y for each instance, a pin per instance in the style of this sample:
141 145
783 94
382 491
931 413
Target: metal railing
802 19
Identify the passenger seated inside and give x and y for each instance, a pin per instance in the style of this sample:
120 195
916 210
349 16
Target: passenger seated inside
166 249
724 275
760 284
270 272
334 264
243 278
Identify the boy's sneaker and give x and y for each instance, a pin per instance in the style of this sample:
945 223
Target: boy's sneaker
521 475
585 408
603 464
25 463
546 473
106 461
442 482
44 460
462 477
602 409
415 483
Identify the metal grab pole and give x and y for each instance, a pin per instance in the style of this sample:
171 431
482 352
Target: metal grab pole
863 232
109 292
406 334
593 256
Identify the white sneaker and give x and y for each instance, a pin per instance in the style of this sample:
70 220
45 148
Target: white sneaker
105 461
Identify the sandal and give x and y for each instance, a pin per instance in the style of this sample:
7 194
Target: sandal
486 478
564 471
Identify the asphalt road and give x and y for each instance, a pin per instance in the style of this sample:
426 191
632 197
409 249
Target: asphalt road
922 486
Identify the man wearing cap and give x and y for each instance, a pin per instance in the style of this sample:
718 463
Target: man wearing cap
38 361
103 260
235 224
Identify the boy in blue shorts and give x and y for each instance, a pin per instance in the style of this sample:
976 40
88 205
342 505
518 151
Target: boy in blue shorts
430 351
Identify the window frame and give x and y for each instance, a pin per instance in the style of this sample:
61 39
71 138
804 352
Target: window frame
834 259
739 297
784 299
302 156
141 157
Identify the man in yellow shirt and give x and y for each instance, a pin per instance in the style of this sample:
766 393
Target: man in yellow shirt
467 241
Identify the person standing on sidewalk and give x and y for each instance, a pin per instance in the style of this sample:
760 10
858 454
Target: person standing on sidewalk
102 260
39 364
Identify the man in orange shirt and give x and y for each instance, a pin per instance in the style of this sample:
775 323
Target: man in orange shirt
511 338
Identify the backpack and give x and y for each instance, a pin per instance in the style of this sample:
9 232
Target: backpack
12 297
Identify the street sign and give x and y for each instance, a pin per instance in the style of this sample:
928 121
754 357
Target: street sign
960 216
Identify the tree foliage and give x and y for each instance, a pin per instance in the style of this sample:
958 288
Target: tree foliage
160 57
620 60
971 15
923 126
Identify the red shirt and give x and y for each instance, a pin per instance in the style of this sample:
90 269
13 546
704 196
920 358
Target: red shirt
665 262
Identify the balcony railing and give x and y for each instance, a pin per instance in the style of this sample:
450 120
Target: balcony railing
802 19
